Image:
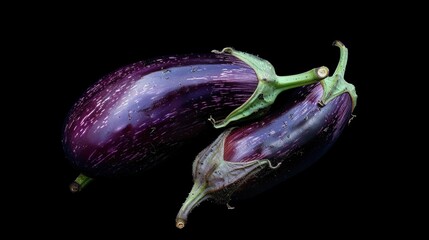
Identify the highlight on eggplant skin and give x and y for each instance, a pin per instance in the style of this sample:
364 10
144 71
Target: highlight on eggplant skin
298 130
141 114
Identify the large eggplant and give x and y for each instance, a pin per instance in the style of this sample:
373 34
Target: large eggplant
300 128
138 115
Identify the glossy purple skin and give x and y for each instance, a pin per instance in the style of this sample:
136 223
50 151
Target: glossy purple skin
138 115
296 133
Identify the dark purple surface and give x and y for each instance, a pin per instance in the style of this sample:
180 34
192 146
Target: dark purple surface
141 113
296 133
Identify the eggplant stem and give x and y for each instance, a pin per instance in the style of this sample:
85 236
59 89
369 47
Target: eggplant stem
269 86
336 85
197 195
79 183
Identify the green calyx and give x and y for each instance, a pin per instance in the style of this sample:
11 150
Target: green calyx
269 85
336 85
215 178
79 183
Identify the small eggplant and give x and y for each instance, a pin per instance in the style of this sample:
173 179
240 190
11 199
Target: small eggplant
137 116
299 129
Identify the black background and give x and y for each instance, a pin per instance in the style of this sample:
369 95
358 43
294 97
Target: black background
66 51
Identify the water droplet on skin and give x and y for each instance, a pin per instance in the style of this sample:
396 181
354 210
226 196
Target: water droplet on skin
284 124
152 130
195 69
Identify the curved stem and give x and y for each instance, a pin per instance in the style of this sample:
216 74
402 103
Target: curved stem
79 183
336 85
344 54
197 195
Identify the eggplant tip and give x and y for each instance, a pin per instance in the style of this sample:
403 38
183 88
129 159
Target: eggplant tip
74 187
180 223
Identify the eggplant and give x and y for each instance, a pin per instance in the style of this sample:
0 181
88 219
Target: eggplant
299 129
139 115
